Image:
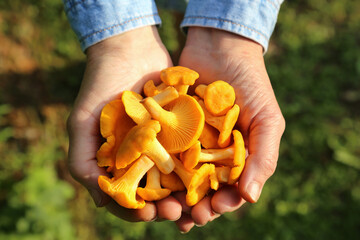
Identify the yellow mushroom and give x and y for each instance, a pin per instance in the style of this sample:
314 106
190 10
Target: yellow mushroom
153 190
182 122
151 90
224 124
141 139
233 156
200 90
190 158
197 182
171 181
137 111
179 77
123 189
114 125
219 97
209 137
223 173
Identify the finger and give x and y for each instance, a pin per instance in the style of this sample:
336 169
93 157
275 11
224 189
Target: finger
185 223
264 140
181 198
226 199
146 214
168 209
202 212
83 144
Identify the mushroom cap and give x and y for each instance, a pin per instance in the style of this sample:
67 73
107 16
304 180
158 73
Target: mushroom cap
178 75
199 184
209 137
114 125
182 122
219 97
122 197
190 157
229 122
134 108
234 174
172 181
200 90
153 194
137 140
239 148
123 189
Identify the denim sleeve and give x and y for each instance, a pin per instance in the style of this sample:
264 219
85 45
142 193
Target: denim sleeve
254 19
96 20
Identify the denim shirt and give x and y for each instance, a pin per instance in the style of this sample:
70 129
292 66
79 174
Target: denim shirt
96 20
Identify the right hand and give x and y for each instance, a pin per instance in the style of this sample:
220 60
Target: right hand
123 62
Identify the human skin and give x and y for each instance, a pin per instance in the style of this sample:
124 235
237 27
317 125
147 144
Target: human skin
220 55
123 62
126 62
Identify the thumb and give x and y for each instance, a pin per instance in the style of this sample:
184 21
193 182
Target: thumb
82 164
264 141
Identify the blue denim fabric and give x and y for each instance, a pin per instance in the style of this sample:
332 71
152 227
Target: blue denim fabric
96 20
254 19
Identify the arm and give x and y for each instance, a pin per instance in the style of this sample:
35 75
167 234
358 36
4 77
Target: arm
226 40
123 50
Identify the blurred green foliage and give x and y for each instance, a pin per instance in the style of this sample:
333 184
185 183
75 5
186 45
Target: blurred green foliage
314 64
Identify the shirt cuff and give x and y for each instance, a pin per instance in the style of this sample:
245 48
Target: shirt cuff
96 20
252 19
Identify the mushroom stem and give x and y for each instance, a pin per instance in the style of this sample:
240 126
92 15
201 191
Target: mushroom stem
153 178
153 191
123 189
160 156
166 96
157 112
213 155
182 89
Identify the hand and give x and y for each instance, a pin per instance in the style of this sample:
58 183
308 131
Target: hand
123 62
220 55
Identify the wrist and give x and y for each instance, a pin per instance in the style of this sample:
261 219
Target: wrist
211 39
131 42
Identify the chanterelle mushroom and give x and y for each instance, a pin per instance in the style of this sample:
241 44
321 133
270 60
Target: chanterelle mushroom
197 182
153 190
232 156
136 110
182 122
141 139
151 90
114 125
123 189
179 77
172 181
209 137
219 97
224 124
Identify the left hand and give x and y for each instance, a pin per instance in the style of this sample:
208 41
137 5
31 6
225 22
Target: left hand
220 55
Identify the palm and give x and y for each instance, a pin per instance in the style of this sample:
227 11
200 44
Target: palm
106 76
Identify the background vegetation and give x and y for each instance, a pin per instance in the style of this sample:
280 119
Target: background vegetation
314 64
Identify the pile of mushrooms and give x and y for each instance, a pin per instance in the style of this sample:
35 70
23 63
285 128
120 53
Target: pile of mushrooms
170 141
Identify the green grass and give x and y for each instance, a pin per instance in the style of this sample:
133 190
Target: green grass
314 64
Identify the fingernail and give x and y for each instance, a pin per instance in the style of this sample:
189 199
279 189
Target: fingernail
199 225
254 190
96 196
183 232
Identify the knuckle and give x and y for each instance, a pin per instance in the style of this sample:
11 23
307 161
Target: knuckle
269 164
